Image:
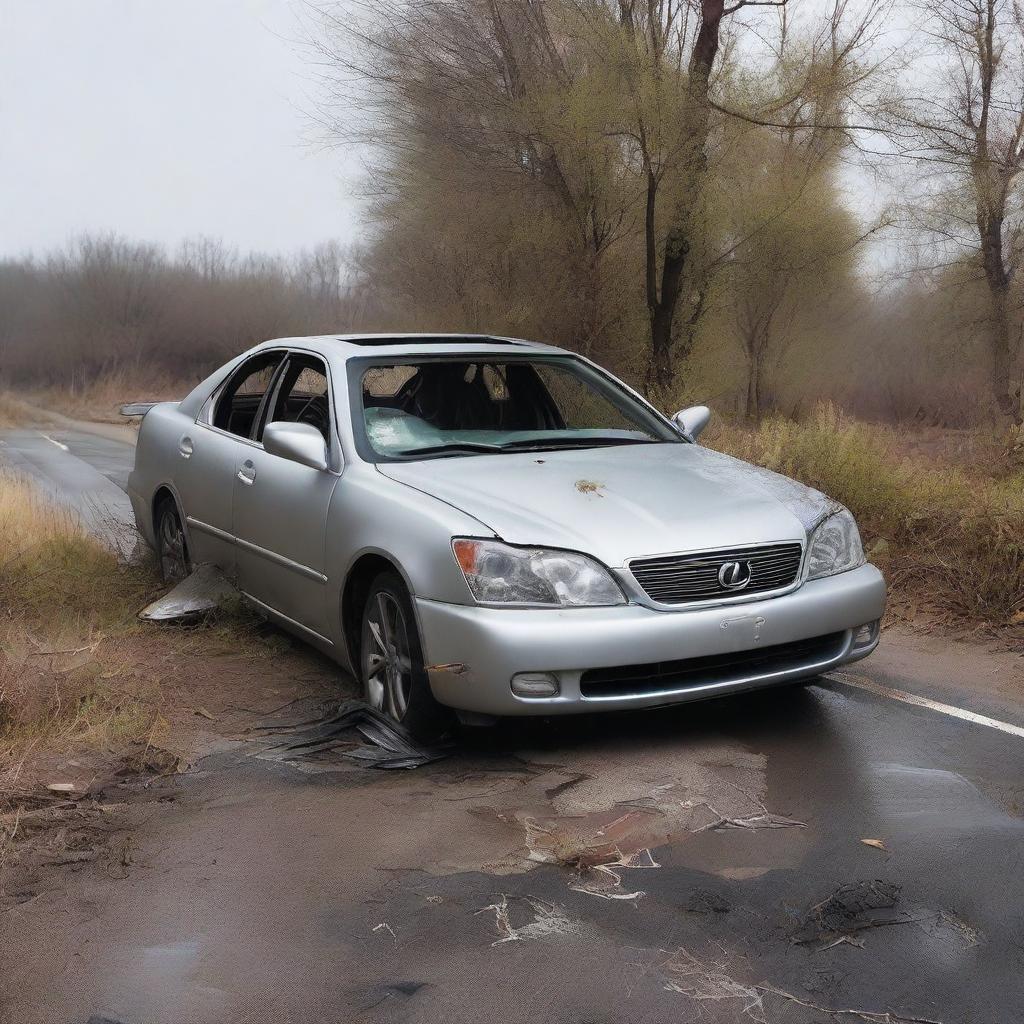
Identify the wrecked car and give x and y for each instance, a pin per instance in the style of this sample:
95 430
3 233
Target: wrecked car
497 527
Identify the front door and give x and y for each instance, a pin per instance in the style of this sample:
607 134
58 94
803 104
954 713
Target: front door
280 507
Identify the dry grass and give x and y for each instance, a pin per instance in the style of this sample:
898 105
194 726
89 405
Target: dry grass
100 400
85 687
14 412
949 535
91 697
67 607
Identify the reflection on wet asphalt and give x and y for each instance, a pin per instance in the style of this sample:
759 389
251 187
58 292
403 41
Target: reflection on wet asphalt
703 863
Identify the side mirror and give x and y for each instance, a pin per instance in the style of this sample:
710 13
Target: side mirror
692 421
299 442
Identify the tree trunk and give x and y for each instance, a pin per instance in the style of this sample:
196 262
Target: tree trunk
1001 346
754 385
679 238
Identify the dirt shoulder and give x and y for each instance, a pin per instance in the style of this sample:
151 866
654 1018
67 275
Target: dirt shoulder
75 794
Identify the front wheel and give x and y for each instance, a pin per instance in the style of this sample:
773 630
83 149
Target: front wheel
391 661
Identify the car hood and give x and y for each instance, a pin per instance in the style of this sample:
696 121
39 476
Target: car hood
622 502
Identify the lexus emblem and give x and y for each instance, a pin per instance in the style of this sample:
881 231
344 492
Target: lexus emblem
734 575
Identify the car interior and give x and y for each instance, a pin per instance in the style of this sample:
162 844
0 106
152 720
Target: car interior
452 395
299 396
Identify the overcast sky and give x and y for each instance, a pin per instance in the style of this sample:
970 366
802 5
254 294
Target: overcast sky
161 119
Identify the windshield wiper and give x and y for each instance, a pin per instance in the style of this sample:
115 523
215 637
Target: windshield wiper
539 444
534 444
470 447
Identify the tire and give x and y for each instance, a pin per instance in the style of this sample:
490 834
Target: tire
171 546
391 661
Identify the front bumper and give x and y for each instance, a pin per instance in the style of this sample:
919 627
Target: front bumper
472 653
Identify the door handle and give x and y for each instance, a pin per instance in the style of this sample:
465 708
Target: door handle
247 474
185 447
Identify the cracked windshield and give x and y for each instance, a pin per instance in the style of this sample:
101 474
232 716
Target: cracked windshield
458 406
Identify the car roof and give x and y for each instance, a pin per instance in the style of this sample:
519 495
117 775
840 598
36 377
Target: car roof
345 346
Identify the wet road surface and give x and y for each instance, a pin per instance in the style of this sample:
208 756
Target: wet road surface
86 472
704 863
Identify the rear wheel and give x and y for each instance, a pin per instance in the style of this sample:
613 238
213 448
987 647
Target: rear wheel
391 660
171 546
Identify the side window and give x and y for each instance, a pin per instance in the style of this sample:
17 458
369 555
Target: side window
303 396
239 403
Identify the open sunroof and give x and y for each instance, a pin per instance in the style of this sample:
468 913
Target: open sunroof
432 339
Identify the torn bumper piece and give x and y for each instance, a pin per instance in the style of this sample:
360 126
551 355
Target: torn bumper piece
633 657
200 593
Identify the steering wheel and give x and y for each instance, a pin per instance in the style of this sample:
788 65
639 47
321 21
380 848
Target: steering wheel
318 418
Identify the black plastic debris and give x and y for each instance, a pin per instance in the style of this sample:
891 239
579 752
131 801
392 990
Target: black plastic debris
855 908
358 733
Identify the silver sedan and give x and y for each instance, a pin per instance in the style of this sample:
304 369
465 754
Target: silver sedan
498 527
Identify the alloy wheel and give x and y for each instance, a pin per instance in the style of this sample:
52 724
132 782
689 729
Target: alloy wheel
387 664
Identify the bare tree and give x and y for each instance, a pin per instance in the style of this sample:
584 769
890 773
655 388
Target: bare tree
966 132
790 240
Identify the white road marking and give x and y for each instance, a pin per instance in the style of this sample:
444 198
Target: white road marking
64 447
923 702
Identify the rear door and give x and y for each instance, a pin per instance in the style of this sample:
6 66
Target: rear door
210 451
280 507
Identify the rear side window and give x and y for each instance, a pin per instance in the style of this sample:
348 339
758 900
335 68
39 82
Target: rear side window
303 395
239 403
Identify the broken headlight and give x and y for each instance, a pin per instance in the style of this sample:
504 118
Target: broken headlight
835 546
501 574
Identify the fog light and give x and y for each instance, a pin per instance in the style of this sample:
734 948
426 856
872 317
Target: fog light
535 684
867 634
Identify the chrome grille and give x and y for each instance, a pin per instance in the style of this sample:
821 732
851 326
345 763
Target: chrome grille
679 579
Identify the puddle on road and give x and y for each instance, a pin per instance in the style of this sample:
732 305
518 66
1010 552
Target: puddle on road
594 805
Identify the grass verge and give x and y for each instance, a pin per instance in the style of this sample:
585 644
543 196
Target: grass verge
68 605
88 692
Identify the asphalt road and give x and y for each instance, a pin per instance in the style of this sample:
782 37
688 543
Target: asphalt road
85 472
312 890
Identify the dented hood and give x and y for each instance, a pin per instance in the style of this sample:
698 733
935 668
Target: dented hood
623 502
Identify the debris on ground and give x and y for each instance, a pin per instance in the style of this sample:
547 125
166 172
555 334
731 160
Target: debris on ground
387 744
546 920
754 821
200 593
876 844
854 908
709 982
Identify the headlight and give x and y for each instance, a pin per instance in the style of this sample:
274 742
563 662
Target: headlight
835 546
500 574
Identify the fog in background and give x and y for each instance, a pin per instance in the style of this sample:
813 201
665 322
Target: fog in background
162 121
